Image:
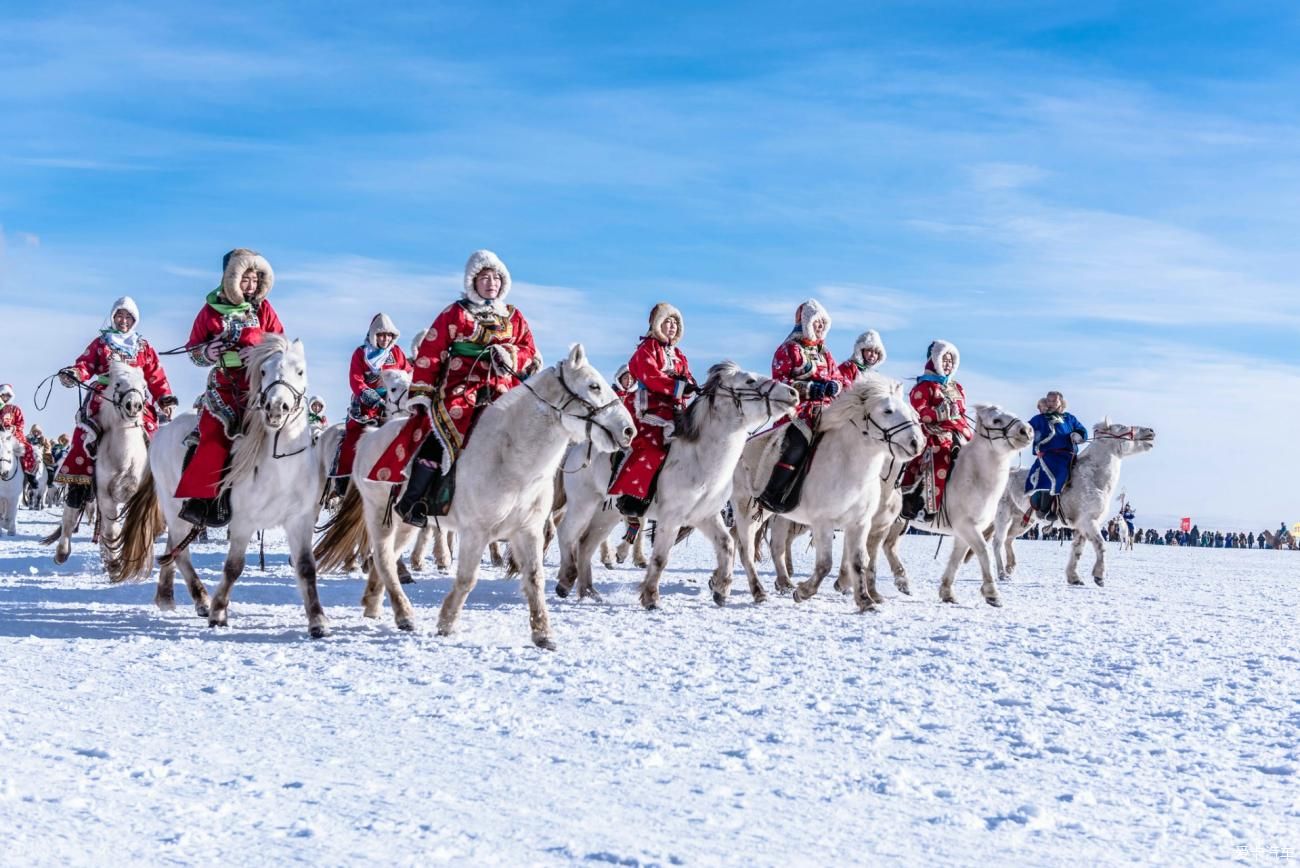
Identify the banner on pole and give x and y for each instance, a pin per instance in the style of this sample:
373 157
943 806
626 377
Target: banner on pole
1186 523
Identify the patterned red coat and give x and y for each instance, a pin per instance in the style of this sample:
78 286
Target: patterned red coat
11 417
226 397
850 371
942 408
454 369
367 407
797 363
662 372
91 367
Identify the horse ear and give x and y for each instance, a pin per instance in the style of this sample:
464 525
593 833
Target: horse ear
577 356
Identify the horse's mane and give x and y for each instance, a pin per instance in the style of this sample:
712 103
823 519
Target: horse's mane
848 405
693 420
248 444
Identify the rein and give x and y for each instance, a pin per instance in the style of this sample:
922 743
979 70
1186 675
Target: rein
589 417
740 395
296 410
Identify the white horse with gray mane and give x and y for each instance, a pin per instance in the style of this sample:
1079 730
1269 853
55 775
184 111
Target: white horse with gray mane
275 479
1083 502
970 500
504 489
859 432
693 486
121 458
11 480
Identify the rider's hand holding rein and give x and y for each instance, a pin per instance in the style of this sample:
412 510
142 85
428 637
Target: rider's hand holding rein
68 377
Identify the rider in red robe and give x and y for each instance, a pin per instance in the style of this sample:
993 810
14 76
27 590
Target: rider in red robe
940 401
664 382
379 353
804 362
868 354
235 317
475 351
118 341
11 417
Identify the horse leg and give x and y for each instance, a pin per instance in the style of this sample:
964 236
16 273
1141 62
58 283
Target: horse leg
421 548
526 550
1072 565
854 557
572 531
824 543
779 545
299 535
66 529
724 547
979 544
597 531
665 536
1099 546
198 593
959 549
606 555
372 597
744 535
472 544
387 542
239 537
638 549
164 595
442 549
494 552
875 534
896 529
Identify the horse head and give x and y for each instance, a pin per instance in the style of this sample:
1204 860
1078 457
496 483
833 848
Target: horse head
126 390
8 454
996 425
759 399
277 378
588 407
878 407
397 391
1130 439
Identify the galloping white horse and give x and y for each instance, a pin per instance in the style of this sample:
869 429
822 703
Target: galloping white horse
867 424
693 484
11 480
1083 502
970 500
274 480
504 489
121 457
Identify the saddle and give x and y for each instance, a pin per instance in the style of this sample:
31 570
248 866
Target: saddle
785 485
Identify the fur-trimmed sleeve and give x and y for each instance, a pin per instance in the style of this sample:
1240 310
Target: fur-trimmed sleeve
433 351
154 375
204 330
525 347
90 363
923 397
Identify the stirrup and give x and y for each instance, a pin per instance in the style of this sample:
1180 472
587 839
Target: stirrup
631 506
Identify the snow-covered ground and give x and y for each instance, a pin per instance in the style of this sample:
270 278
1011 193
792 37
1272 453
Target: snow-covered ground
1153 720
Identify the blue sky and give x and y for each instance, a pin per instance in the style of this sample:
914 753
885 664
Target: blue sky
1093 197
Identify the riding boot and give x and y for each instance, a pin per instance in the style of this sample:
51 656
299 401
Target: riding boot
776 496
413 506
77 496
194 510
340 485
913 503
631 506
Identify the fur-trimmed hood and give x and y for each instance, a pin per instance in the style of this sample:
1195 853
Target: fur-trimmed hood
810 310
1042 402
127 304
317 399
233 266
381 322
661 313
416 341
6 393
479 260
867 340
618 377
935 353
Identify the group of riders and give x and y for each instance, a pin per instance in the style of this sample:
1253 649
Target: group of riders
478 349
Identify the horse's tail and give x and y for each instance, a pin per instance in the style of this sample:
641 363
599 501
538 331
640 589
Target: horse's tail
53 535
345 537
142 522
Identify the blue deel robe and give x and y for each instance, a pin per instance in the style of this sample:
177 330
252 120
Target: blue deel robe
1054 451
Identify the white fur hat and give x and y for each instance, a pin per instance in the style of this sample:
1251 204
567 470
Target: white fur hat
937 349
870 339
234 264
316 399
659 314
810 310
416 341
6 391
127 304
381 323
479 260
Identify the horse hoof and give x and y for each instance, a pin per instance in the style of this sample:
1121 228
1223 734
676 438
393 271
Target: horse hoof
866 606
544 642
609 565
903 586
166 605
406 625
444 631
947 598
562 591
201 610
590 594
799 594
1100 580
214 623
719 598
319 631
60 558
994 602
1074 581
407 579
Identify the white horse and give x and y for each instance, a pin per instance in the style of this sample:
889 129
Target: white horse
970 500
11 480
1083 502
274 480
869 423
693 484
121 456
504 489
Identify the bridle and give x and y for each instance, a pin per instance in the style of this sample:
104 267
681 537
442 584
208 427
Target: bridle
299 395
1130 435
1002 431
14 468
119 399
588 418
887 435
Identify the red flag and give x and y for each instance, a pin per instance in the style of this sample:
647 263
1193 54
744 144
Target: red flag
1187 523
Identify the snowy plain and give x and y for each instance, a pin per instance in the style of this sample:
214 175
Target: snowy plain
1153 720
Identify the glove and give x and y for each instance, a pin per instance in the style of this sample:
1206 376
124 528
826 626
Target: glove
1076 438
819 389
831 388
372 397
68 377
688 388
502 359
165 411
213 350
